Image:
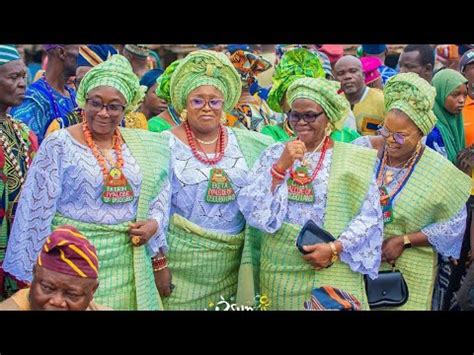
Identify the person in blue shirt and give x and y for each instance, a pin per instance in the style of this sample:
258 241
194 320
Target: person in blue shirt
49 97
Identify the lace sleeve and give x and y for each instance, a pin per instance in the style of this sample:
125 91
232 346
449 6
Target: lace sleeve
446 237
362 239
160 209
261 208
363 141
36 209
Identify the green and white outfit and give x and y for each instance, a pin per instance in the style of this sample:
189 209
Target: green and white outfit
346 204
64 186
433 202
205 240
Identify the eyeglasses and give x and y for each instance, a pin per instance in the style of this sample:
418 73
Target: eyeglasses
398 137
308 117
97 105
197 103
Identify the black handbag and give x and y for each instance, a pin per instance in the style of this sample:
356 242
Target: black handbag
389 289
312 234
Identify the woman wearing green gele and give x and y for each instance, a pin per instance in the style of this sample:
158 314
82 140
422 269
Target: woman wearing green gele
101 179
208 164
314 178
422 193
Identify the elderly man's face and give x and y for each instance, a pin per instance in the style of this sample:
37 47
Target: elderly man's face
12 83
53 291
69 54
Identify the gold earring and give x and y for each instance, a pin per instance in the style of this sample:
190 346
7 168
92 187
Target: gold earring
418 145
223 118
328 130
184 115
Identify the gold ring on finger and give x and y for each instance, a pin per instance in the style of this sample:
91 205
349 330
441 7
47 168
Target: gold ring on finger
136 240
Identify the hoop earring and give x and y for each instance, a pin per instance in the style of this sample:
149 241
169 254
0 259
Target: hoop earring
184 115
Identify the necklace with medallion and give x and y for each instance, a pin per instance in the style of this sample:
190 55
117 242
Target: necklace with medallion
300 183
219 188
116 189
386 198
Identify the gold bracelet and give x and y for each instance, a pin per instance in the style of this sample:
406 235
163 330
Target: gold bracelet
160 268
406 242
335 255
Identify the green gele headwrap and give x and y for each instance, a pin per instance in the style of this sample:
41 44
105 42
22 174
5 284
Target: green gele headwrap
324 93
201 68
414 96
163 82
115 72
295 64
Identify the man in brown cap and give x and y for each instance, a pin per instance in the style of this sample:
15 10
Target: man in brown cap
65 276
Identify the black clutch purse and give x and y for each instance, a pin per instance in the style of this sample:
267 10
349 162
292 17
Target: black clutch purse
389 289
312 234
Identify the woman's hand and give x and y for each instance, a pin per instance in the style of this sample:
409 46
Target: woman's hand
392 248
320 255
163 282
142 231
294 150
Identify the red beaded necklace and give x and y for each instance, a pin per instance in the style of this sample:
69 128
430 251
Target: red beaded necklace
318 166
219 154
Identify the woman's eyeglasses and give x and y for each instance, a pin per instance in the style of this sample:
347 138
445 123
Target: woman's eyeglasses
397 137
97 105
197 103
308 117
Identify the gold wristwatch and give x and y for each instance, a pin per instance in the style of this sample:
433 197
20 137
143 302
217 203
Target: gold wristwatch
406 242
335 255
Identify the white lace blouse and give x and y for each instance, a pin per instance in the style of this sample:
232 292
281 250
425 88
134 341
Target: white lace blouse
446 237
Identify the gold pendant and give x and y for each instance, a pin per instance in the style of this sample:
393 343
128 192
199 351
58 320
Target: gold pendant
388 177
